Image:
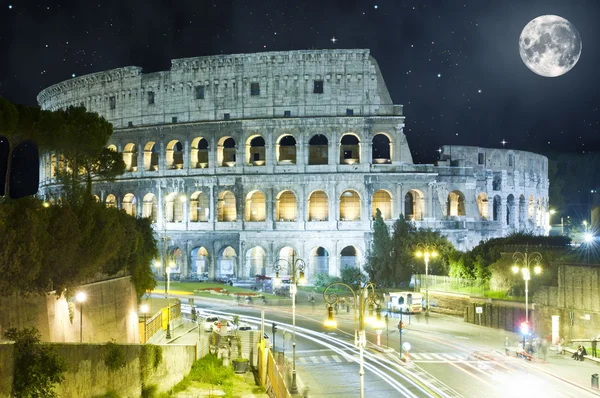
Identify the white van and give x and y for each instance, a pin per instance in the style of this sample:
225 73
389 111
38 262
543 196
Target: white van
405 302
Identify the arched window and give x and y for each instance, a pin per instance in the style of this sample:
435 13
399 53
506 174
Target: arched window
319 261
382 200
199 207
199 263
199 153
226 208
286 206
227 262
174 159
286 150
349 149
149 207
256 260
510 210
318 151
497 182
522 211
255 151
130 157
482 205
255 206
348 257
349 206
497 207
112 148
414 205
382 149
226 152
174 207
318 206
111 201
456 204
151 156
129 204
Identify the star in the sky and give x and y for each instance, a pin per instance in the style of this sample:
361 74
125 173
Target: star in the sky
10 6
333 39
439 75
503 142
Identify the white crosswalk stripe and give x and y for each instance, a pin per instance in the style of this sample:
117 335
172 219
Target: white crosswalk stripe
336 358
439 356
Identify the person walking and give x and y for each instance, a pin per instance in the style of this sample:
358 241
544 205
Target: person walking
506 346
594 342
544 349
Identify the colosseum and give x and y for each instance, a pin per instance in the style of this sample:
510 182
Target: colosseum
241 160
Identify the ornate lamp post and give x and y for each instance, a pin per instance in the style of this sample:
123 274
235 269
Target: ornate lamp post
426 252
364 297
296 266
523 261
81 297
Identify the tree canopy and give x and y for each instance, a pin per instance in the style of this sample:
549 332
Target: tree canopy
57 247
391 260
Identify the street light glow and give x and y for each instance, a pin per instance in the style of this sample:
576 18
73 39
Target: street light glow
515 269
330 322
588 238
80 297
144 308
537 269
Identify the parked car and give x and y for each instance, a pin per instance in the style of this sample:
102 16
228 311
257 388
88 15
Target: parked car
244 326
208 322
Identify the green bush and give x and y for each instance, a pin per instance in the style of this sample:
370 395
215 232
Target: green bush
37 368
114 356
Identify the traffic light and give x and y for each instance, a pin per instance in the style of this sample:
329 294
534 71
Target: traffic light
524 328
401 326
274 328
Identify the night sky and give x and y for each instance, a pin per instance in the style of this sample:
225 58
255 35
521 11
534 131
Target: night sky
454 65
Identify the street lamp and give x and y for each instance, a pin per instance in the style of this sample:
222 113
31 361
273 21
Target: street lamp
426 252
523 262
363 296
144 308
296 265
80 297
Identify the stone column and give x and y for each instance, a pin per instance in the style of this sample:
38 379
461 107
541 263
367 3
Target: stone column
399 209
212 155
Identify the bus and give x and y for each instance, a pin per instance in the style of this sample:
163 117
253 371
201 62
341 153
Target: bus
405 302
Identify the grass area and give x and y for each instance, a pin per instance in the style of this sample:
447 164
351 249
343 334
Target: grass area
208 374
191 286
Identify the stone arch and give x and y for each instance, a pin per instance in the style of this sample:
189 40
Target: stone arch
96 198
199 153
318 206
175 260
130 157
414 205
318 149
319 261
227 262
289 254
226 152
482 205
497 207
129 204
199 261
522 211
510 210
456 203
174 155
199 207
286 207
256 206
349 149
255 150
349 257
256 262
111 200
173 211
350 206
383 201
381 149
149 207
151 156
286 149
112 147
226 207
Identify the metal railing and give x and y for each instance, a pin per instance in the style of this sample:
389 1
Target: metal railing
449 284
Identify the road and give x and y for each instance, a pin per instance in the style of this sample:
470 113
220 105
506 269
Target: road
448 358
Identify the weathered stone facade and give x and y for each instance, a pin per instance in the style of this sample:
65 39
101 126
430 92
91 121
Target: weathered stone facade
288 153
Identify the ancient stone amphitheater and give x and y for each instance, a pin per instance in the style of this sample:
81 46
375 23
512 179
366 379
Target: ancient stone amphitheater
241 160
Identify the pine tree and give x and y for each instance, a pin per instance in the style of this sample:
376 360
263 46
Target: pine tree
378 259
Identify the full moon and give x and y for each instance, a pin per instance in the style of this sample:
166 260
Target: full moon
550 45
